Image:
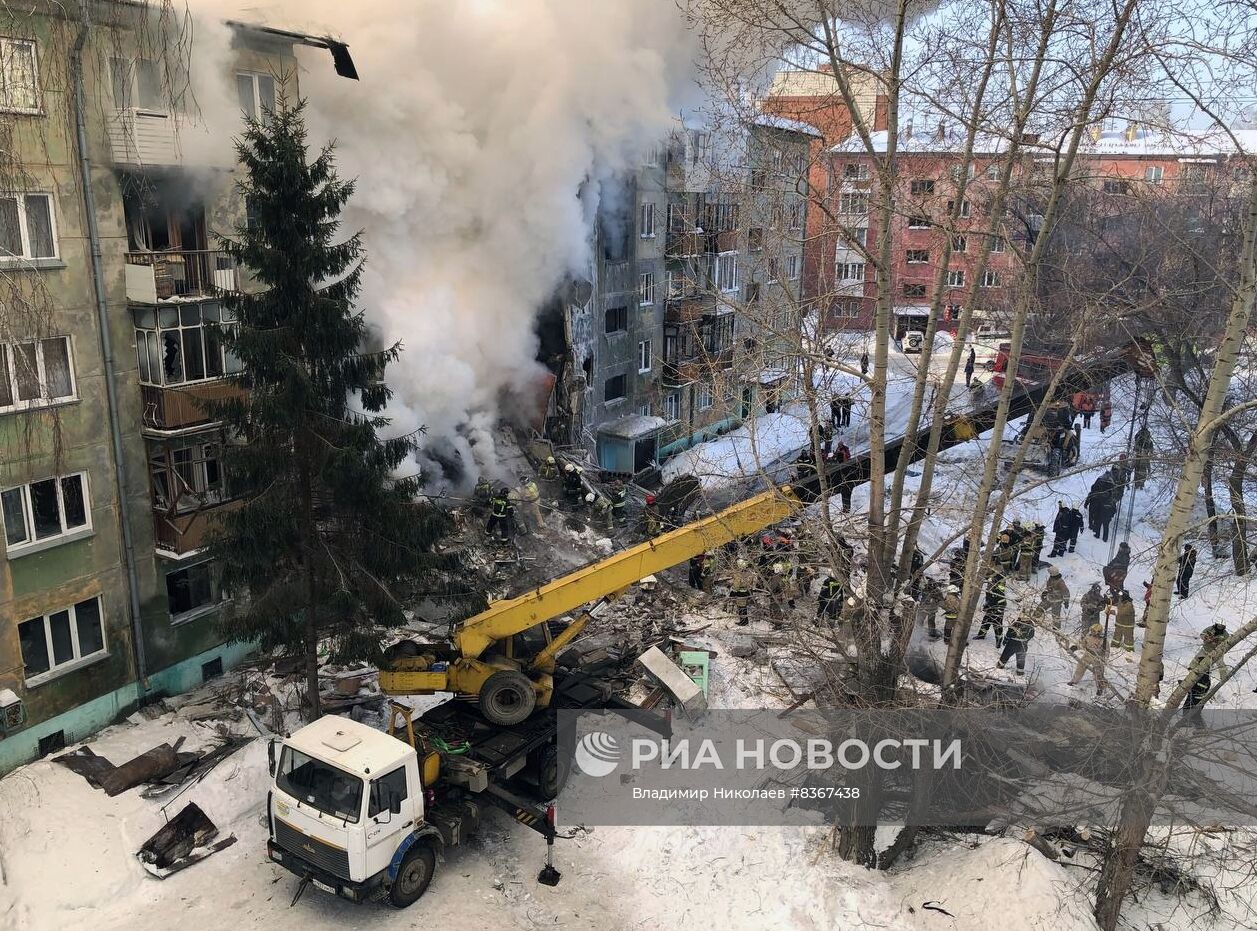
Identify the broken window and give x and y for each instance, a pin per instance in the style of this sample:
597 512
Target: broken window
44 510
19 79
60 639
187 478
177 345
616 319
614 388
191 589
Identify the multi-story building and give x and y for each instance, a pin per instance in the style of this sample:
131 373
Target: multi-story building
666 344
108 342
929 169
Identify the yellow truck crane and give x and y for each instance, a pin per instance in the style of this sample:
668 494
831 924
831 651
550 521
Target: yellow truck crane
505 656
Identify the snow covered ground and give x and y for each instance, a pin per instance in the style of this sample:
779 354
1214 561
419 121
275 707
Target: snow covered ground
67 850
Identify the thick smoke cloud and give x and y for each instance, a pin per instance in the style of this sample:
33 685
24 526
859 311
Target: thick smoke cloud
475 134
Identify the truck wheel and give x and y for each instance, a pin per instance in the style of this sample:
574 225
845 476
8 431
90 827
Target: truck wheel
550 771
413 876
507 697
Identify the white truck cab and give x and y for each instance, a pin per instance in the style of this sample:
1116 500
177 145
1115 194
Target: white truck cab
346 811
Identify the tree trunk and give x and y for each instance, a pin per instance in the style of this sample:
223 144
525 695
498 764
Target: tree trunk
1118 868
1239 541
1211 508
311 637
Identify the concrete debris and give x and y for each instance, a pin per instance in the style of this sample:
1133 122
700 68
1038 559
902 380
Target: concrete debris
743 647
687 694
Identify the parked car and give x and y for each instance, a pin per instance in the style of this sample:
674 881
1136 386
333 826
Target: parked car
913 341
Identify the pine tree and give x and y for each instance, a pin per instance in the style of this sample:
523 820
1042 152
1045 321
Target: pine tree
323 537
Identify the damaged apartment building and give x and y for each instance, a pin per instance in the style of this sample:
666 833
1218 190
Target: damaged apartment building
109 344
685 326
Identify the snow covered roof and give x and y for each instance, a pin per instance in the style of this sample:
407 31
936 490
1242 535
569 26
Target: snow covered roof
781 122
910 141
351 746
633 426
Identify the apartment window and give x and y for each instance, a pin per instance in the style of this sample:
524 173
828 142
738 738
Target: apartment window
851 271
778 159
992 171
772 271
1153 174
792 267
677 220
616 319
643 356
722 217
754 239
45 510
856 236
997 244
952 312
703 397
922 187
966 171
187 478
990 279
137 84
854 203
35 373
672 406
956 278
717 332
849 308
964 208
1116 187
757 179
853 172
643 410
178 345
614 388
61 641
676 284
192 590
646 288
28 229
652 157
918 222
918 256
752 292
914 290
960 244
19 76
796 216
647 221
257 94
727 271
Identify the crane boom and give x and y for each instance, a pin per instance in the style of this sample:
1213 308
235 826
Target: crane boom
589 583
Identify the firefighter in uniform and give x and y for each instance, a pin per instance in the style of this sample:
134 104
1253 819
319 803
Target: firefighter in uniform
993 606
500 509
571 483
829 601
740 591
619 502
550 469
530 497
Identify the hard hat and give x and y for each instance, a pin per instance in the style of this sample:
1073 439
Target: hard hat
953 590
550 460
1052 570
1096 629
742 563
778 568
569 468
579 469
589 498
1027 524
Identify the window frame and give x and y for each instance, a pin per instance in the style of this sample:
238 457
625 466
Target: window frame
921 187
998 244
67 534
646 220
8 260
645 289
147 354
217 596
607 320
259 110
1154 174
846 278
38 108
922 257
955 277
990 278
731 258
848 200
860 173
8 368
672 407
606 382
701 391
56 670
645 357
792 267
918 222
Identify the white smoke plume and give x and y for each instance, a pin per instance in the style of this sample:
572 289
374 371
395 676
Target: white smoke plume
473 133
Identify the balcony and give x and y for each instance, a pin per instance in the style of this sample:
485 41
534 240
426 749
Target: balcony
179 535
681 244
169 410
688 308
143 138
187 274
